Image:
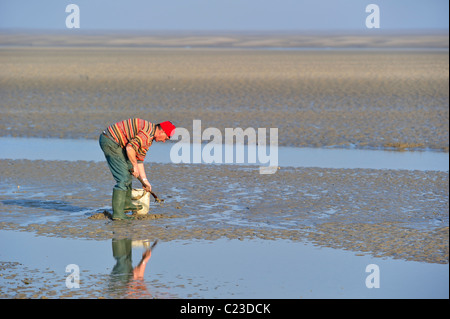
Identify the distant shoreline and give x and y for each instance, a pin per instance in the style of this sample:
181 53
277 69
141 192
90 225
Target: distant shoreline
233 39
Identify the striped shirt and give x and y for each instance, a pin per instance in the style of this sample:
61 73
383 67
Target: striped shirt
136 132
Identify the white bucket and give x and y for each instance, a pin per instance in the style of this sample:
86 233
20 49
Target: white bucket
141 243
141 197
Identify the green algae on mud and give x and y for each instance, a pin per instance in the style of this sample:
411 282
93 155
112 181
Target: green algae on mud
105 215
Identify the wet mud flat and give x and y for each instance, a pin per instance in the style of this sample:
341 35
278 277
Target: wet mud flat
206 269
357 99
383 213
365 99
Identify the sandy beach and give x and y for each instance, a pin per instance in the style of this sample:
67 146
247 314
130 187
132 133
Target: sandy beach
385 213
364 99
375 97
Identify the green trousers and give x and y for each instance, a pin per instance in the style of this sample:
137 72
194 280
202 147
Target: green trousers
118 162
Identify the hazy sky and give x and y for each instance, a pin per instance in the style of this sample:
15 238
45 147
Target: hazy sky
276 15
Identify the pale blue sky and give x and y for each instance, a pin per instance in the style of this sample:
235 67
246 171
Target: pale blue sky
225 15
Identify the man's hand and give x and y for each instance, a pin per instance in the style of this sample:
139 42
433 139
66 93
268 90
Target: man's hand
146 186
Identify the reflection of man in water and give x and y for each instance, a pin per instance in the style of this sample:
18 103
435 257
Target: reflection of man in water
125 279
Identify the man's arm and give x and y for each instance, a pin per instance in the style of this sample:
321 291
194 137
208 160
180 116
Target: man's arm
139 270
138 168
132 157
143 177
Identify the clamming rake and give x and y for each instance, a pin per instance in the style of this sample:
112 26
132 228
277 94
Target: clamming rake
157 199
147 244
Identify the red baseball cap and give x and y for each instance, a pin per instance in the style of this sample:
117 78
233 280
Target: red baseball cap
168 128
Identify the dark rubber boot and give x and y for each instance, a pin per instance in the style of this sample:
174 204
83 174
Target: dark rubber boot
129 204
118 203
